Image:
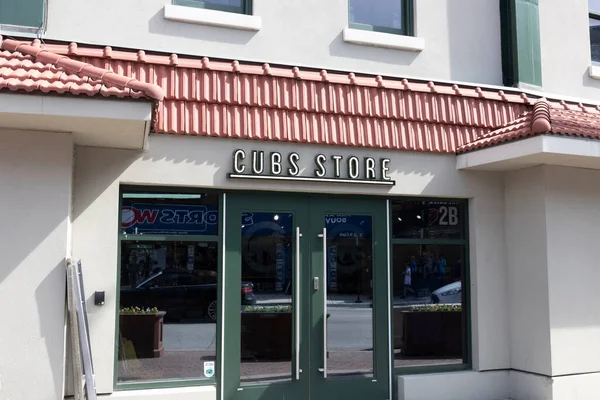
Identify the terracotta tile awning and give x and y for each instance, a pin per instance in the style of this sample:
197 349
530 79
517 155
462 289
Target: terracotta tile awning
232 99
545 118
31 68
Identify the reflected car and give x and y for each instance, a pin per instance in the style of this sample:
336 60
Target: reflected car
182 294
449 294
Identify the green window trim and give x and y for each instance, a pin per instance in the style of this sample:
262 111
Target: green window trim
467 363
407 7
23 15
246 6
520 38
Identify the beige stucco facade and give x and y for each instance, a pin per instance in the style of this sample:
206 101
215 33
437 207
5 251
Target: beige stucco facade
532 236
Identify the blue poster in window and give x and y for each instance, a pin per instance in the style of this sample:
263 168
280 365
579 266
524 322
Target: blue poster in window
348 226
187 219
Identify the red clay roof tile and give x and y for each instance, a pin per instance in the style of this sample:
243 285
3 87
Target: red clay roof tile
241 100
31 68
544 118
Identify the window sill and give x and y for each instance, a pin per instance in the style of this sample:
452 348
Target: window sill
221 19
387 40
594 71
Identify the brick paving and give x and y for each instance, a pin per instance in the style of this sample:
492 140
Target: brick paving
190 365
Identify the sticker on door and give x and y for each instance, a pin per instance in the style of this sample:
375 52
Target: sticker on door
209 369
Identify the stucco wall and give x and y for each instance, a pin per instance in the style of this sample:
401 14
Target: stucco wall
573 218
204 162
35 199
552 219
526 247
566 51
462 38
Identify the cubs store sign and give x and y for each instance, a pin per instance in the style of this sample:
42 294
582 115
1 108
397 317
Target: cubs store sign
169 219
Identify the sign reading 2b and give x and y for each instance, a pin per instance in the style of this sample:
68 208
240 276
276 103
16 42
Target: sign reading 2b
448 215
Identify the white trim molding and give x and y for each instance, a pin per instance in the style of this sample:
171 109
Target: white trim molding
387 40
220 19
566 151
594 71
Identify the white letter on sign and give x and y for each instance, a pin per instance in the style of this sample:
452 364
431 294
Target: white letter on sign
353 171
238 156
275 163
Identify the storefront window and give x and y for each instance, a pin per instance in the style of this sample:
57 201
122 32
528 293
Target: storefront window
168 298
415 219
169 214
429 261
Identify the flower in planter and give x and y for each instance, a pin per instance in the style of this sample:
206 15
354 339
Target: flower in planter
437 307
267 309
138 310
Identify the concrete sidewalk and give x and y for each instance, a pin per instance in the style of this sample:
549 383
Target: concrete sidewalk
338 300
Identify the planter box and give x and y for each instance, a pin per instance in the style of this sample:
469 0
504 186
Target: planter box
266 336
145 332
428 333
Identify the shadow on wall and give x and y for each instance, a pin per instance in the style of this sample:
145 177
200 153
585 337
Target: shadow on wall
339 48
159 25
51 326
474 34
89 189
416 173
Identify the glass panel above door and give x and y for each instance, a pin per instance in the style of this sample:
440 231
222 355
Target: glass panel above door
267 327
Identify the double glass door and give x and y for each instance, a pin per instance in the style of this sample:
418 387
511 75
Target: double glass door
305 292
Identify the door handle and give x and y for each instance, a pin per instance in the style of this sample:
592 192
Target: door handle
324 236
297 304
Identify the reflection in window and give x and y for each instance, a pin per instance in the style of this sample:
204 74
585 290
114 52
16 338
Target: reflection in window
385 13
427 220
428 281
168 309
594 22
349 271
235 6
169 213
266 329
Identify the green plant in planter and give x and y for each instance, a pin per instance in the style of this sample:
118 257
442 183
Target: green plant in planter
268 309
437 307
138 311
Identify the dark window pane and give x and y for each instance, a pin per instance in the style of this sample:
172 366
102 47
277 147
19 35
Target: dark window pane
170 213
28 13
168 302
235 6
349 269
232 3
266 330
409 219
383 13
427 220
595 38
429 319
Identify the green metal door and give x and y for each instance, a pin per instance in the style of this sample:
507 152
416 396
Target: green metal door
319 328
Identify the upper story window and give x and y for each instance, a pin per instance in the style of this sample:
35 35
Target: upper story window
22 15
594 19
234 6
387 16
